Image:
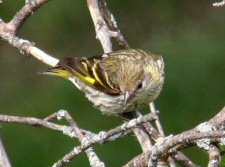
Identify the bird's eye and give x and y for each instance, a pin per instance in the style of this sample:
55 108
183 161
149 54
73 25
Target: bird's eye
139 86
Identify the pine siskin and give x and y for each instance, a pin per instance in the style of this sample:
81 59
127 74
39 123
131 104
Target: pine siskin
116 82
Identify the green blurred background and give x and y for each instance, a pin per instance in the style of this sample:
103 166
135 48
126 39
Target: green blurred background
189 34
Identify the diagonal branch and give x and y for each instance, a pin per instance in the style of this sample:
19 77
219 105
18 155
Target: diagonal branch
160 129
20 17
103 33
143 159
86 143
111 22
4 161
202 136
92 156
214 156
8 31
103 137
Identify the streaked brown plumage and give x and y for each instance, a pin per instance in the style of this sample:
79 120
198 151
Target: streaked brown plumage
115 82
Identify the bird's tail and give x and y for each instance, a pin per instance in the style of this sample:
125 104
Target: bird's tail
56 71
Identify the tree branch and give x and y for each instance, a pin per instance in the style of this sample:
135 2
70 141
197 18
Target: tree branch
214 156
206 135
103 34
160 129
8 31
103 137
143 159
4 161
86 142
202 136
92 156
111 22
219 4
20 17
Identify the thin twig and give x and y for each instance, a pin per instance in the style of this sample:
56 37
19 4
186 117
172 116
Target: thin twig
142 136
103 33
214 156
179 156
67 130
103 136
142 160
31 121
4 160
157 121
8 31
203 135
35 122
92 156
172 144
183 160
218 121
22 15
112 24
160 129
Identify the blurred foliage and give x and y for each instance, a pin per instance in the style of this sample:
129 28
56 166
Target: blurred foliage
189 34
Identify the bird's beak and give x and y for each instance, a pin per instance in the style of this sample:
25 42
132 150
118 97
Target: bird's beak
128 96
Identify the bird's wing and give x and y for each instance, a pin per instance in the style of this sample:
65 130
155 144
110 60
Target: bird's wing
90 71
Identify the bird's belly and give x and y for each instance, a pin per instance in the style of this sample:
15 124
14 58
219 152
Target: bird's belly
110 105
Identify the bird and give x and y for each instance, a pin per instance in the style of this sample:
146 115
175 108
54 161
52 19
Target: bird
118 82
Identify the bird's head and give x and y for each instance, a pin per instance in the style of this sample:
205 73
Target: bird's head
133 82
140 80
